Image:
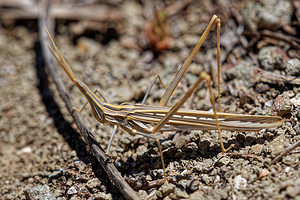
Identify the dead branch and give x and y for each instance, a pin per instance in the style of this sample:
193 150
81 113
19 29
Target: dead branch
293 41
99 154
244 155
273 78
62 11
285 152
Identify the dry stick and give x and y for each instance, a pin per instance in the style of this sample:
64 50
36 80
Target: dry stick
270 77
94 12
285 152
97 151
243 155
283 37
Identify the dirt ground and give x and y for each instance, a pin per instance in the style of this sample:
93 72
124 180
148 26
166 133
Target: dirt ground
41 146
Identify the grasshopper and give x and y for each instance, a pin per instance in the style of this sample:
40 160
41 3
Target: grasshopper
147 120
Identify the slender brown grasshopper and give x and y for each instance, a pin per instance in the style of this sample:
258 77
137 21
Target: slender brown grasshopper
147 120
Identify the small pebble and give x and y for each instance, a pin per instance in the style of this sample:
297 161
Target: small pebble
290 160
206 179
40 192
7 70
207 164
287 169
282 105
296 100
239 182
58 192
197 167
181 194
293 67
193 185
292 191
82 177
180 141
80 165
271 58
72 190
285 184
197 195
25 150
141 150
276 146
223 161
143 194
93 183
269 104
257 149
166 144
83 191
266 14
262 88
55 174
166 189
103 196
297 129
183 183
242 70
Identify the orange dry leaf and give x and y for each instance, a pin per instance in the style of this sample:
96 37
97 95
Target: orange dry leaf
157 32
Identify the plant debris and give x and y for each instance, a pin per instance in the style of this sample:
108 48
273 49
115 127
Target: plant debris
41 146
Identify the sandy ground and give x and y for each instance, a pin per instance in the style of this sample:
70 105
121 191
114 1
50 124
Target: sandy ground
40 144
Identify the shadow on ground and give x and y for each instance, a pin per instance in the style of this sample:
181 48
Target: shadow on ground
71 136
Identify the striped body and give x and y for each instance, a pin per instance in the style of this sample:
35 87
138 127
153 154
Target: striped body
143 117
146 120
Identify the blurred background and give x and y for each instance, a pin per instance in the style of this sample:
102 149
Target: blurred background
119 46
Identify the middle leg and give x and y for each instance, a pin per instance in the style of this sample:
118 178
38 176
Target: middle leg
203 77
157 77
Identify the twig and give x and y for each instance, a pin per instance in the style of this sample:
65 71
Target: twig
270 77
95 12
285 152
99 154
285 38
243 155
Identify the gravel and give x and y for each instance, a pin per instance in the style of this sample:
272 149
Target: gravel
41 150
